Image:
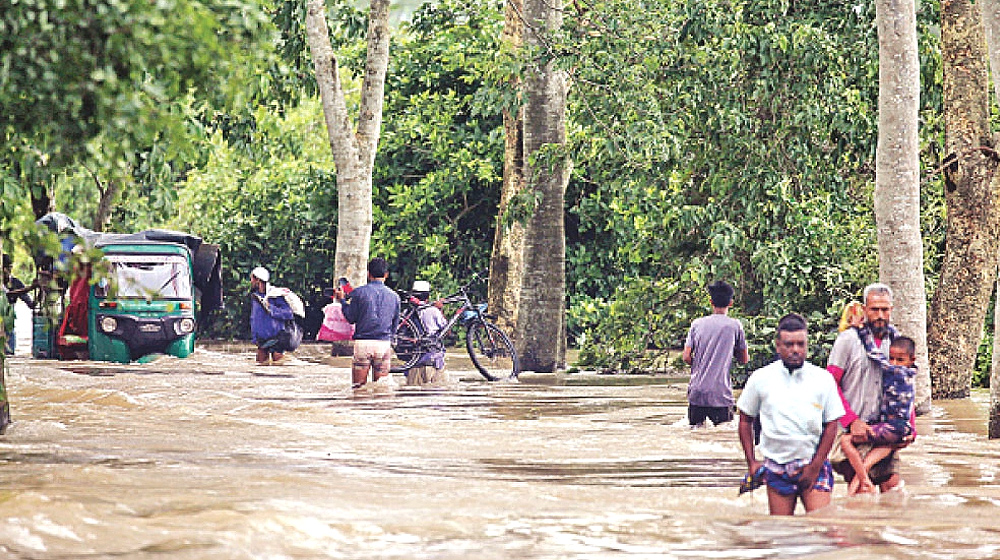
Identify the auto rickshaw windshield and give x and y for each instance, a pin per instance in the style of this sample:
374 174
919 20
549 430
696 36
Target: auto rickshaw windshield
150 276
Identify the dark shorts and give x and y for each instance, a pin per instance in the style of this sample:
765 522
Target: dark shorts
785 478
880 472
717 414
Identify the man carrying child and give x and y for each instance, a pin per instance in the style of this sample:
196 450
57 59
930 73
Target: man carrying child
894 416
859 379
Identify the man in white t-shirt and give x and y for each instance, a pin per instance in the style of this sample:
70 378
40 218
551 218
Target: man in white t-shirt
798 406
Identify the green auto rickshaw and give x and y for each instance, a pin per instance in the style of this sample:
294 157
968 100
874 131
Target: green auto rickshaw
146 300
145 305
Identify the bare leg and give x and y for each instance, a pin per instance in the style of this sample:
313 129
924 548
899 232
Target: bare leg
814 499
778 504
893 482
359 374
860 481
876 455
262 355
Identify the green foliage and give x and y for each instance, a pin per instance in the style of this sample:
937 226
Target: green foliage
634 329
275 207
439 167
719 139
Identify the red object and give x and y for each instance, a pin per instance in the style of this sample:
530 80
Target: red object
75 318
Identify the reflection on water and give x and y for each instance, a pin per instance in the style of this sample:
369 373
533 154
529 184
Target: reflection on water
216 457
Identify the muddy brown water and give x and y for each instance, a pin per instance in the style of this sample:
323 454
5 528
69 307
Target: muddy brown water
216 457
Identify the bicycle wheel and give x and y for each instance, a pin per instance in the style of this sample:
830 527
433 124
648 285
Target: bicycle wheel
407 345
491 351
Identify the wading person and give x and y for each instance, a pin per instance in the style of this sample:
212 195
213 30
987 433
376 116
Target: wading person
798 408
373 309
895 414
272 318
14 290
859 380
429 370
712 343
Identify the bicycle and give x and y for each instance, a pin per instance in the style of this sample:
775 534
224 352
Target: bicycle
490 349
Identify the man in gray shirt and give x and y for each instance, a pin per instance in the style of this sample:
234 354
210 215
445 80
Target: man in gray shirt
712 343
859 379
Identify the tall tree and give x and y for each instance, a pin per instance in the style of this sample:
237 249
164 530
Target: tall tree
353 148
991 27
507 260
897 177
541 335
968 269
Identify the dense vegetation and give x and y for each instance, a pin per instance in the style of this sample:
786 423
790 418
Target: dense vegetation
710 139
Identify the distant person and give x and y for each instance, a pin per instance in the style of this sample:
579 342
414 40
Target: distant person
712 343
14 290
335 328
429 370
373 309
859 380
853 315
798 408
895 413
272 318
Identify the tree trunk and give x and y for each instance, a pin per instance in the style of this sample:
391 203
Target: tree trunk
991 27
106 203
541 336
507 261
968 268
41 202
353 150
897 179
994 414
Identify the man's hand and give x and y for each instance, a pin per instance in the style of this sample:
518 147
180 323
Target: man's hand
809 475
860 431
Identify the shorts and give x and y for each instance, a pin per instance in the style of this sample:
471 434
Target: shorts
880 472
884 433
717 414
784 478
374 355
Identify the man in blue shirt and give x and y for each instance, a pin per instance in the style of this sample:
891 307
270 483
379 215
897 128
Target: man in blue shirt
373 309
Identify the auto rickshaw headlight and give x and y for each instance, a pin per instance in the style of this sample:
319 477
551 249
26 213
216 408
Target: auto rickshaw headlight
184 326
109 324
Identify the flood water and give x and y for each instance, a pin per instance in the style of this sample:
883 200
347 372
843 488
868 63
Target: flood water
216 457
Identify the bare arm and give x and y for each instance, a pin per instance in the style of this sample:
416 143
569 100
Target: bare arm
811 471
687 355
743 356
746 441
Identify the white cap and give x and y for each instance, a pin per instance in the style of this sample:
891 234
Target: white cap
261 273
421 286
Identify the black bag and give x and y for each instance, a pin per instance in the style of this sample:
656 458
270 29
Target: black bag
289 338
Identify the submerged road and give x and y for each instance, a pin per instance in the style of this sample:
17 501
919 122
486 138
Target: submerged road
216 457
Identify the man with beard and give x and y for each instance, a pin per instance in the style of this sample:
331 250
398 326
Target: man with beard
859 379
798 408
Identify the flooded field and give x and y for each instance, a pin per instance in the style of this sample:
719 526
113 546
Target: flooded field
216 457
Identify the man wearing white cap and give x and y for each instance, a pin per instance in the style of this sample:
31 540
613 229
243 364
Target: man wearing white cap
272 314
432 319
